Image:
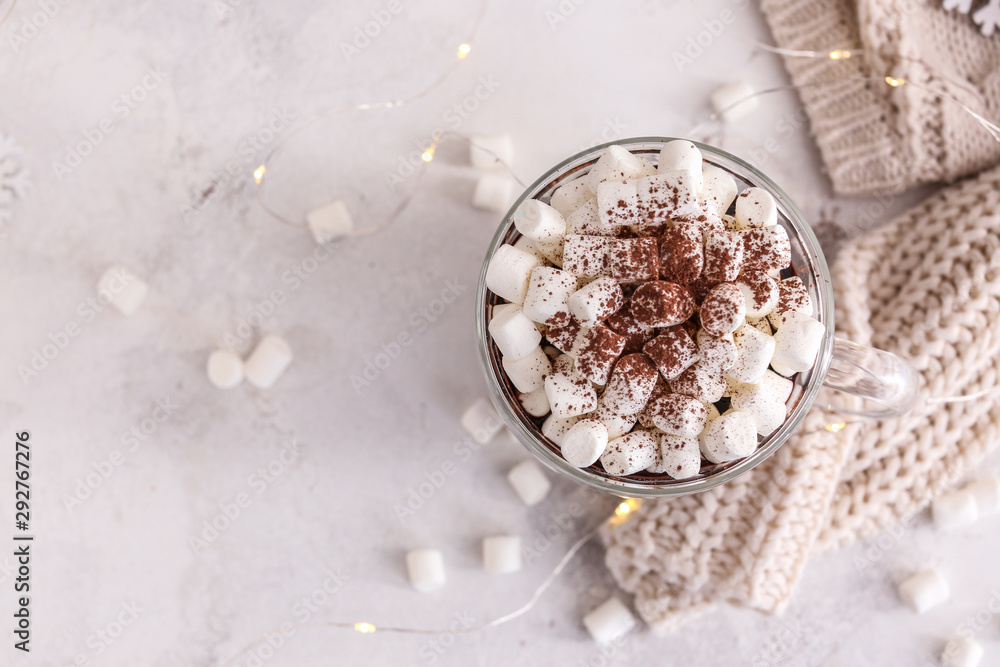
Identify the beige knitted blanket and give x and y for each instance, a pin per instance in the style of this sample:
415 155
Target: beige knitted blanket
875 138
925 286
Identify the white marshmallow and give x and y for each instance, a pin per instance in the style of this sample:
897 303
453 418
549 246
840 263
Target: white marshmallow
680 155
609 621
426 569
647 168
588 221
586 256
618 204
553 252
924 590
528 374
597 301
330 222
755 208
717 351
529 482
123 289
539 222
225 369
680 457
723 256
670 195
723 310
632 382
987 495
679 415
792 295
564 364
485 150
729 437
713 413
570 196
570 395
535 403
797 341
481 421
734 101
513 332
617 425
630 453
267 362
584 443
502 554
761 324
615 164
962 652
509 273
702 381
548 293
764 401
494 192
760 292
530 247
755 350
555 429
955 509
718 190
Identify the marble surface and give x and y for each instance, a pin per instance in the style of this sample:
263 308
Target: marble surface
136 455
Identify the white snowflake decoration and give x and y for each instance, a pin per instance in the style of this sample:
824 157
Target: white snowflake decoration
15 181
986 17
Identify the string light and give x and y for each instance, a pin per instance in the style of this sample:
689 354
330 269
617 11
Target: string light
894 82
836 427
840 54
364 628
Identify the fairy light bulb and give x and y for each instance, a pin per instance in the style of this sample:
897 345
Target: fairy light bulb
463 50
364 628
840 54
894 82
836 427
258 174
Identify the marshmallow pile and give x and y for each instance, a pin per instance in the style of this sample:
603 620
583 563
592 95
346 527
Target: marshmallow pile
650 318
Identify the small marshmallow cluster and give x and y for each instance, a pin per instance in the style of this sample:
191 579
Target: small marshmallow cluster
651 319
965 506
494 189
261 369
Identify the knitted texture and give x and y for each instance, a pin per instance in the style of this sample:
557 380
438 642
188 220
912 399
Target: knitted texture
925 286
876 138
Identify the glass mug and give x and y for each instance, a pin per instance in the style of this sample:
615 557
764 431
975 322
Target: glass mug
879 377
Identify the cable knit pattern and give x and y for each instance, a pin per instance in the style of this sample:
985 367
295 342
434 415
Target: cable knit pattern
874 138
925 286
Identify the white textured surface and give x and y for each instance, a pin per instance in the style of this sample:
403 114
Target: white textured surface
327 513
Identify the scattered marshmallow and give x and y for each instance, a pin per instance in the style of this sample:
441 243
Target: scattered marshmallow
225 369
616 163
632 381
672 351
122 289
597 301
734 101
617 425
680 155
756 208
426 569
955 509
535 403
570 395
729 437
987 495
509 273
962 652
680 457
618 203
797 341
548 293
586 256
755 350
760 292
924 590
485 150
679 415
555 429
528 374
502 554
723 309
702 381
719 189
609 621
481 421
723 256
765 401
630 453
494 192
570 196
588 221
584 442
539 222
513 332
267 362
529 482
330 222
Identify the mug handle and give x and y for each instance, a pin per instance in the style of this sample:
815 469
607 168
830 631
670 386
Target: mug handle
874 375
